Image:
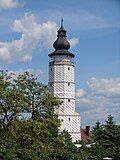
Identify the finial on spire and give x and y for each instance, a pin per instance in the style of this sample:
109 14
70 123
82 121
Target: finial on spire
62 22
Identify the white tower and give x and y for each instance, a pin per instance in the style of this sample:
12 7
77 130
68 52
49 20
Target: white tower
61 84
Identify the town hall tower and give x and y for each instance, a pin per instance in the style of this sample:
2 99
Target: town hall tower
62 85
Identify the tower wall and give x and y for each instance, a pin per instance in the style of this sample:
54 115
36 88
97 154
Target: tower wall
61 84
72 124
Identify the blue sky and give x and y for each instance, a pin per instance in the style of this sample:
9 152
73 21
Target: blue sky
28 30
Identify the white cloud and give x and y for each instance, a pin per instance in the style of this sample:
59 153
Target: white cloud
6 4
73 42
101 98
38 73
104 86
80 93
33 36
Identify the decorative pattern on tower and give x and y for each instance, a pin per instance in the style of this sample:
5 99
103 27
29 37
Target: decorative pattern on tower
61 84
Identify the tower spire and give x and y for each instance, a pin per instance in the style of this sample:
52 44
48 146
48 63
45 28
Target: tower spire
62 22
61 44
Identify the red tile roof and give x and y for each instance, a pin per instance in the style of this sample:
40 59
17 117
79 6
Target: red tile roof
86 136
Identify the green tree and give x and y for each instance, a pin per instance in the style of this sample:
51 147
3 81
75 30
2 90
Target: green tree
37 95
98 132
66 151
37 137
40 103
106 140
12 101
113 152
20 136
66 136
107 134
97 151
111 133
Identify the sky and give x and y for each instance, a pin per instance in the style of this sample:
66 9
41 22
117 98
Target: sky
28 29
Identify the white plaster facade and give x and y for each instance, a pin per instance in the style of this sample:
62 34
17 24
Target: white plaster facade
61 84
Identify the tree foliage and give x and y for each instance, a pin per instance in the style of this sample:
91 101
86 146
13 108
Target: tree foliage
36 137
107 134
12 102
107 139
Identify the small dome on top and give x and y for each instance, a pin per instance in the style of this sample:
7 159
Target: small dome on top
61 45
61 42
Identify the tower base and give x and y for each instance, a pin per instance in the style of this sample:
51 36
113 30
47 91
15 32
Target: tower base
71 123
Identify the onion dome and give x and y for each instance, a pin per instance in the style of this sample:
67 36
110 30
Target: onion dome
61 45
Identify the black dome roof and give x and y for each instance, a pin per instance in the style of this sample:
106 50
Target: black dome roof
61 42
61 45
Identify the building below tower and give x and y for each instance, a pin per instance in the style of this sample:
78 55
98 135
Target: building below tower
61 84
